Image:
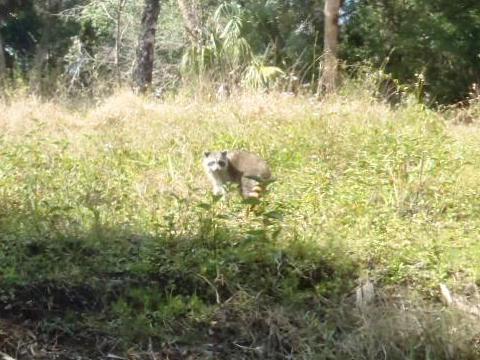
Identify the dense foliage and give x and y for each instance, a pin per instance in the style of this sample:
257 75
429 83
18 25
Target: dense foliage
436 39
83 44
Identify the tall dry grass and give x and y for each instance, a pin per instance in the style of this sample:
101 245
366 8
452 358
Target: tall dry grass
111 189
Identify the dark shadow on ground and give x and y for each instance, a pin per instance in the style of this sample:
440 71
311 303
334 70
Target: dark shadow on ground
219 292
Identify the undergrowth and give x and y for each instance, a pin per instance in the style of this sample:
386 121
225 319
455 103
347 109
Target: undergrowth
109 236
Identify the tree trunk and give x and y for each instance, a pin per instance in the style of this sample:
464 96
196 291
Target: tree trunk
191 20
329 73
3 65
120 6
142 75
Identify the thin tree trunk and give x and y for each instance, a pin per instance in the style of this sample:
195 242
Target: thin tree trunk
118 40
3 65
41 76
329 75
142 75
39 70
120 5
191 20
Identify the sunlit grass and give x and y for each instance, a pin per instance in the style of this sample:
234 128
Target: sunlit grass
117 187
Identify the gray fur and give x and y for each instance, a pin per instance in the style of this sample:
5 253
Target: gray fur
246 169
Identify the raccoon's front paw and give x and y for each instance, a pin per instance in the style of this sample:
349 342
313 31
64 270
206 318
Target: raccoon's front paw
253 195
219 191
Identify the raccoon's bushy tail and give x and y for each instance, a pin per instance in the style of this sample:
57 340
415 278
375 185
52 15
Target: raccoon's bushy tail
253 187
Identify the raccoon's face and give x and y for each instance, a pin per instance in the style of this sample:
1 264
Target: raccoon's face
215 161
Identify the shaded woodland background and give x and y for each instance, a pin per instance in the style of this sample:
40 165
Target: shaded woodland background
86 46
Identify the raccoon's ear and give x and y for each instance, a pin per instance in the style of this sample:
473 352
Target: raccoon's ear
206 153
224 153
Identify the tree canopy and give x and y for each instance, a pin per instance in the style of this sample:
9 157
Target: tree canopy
79 44
439 39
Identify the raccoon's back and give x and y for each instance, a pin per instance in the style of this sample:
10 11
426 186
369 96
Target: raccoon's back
248 164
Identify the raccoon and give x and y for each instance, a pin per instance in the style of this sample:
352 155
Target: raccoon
246 169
